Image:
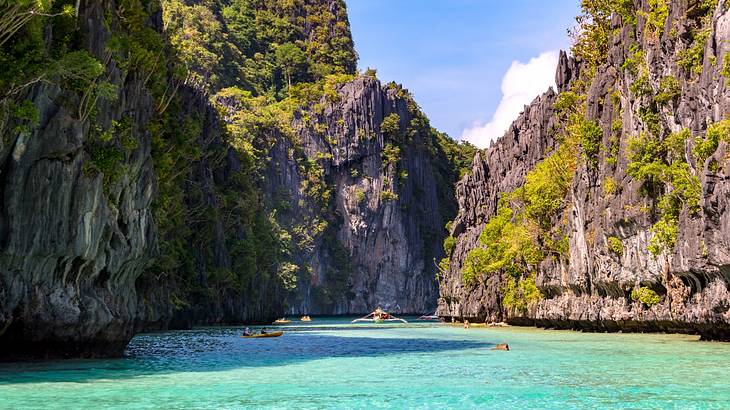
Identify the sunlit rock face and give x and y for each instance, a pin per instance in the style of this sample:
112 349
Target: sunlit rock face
386 216
590 288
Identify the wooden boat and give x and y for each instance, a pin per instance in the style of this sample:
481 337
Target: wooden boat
305 319
428 317
264 335
379 316
282 321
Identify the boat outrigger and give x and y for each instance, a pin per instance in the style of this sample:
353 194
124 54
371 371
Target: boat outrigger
428 317
379 316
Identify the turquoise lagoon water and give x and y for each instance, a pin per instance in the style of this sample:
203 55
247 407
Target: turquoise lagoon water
329 363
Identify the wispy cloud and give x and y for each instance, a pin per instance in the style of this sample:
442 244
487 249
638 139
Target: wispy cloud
520 85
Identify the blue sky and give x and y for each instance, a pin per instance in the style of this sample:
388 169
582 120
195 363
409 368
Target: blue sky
454 54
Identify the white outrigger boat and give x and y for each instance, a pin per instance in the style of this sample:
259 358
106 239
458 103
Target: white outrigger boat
379 316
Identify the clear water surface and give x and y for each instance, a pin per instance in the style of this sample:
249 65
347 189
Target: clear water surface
329 363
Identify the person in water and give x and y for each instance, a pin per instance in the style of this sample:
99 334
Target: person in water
466 324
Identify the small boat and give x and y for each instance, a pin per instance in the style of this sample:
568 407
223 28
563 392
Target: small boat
379 316
305 319
428 317
263 335
282 321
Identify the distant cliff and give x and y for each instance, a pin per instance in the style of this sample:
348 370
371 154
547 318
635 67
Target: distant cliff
383 168
613 211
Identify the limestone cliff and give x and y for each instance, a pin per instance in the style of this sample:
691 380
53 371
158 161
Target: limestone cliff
643 254
161 165
383 224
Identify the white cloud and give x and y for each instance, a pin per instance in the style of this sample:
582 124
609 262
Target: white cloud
520 85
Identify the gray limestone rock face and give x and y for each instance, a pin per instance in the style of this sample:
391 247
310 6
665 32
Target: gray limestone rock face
390 241
591 288
71 244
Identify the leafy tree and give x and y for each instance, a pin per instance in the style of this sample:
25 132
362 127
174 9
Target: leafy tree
292 61
520 294
590 37
615 245
646 296
391 126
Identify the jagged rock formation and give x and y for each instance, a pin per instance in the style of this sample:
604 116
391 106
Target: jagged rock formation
610 213
72 244
385 217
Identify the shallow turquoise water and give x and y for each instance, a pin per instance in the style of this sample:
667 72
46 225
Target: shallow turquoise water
331 364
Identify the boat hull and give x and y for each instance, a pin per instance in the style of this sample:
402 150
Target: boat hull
379 320
264 336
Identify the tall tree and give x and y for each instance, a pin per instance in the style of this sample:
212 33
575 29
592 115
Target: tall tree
291 59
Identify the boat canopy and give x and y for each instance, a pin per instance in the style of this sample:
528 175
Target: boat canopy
379 315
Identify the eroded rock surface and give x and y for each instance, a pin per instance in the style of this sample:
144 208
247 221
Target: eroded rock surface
591 288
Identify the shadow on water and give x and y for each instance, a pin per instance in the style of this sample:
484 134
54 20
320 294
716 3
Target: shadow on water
222 349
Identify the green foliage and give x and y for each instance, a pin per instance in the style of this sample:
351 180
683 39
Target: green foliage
519 295
288 275
726 67
610 186
716 132
391 154
390 126
657 17
360 195
443 267
669 89
108 161
260 46
651 119
25 114
197 36
449 244
692 58
388 195
646 159
646 296
664 235
635 60
590 37
590 140
292 60
566 103
546 187
661 164
641 87
523 232
615 245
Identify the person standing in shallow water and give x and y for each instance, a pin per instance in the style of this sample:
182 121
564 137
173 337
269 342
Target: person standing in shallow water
466 324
